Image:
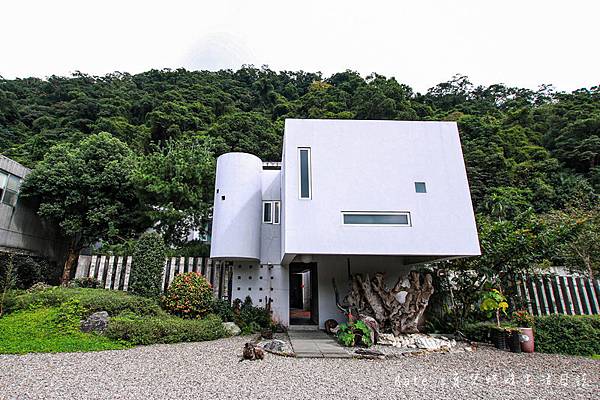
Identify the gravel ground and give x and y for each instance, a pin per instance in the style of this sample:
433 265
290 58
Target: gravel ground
212 370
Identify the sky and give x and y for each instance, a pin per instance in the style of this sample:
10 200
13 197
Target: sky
522 43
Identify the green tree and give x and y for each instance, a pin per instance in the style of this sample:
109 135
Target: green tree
175 184
248 132
85 189
579 248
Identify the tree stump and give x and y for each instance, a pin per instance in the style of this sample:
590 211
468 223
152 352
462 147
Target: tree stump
372 298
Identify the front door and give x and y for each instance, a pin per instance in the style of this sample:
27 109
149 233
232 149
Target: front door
303 294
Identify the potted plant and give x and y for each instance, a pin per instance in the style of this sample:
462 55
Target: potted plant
493 302
525 322
514 339
354 334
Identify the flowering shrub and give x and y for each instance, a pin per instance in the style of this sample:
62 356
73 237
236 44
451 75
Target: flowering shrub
189 296
523 319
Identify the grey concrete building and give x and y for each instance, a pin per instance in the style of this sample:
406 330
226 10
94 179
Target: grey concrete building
21 229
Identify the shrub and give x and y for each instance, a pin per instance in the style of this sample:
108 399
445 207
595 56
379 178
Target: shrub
568 334
223 309
347 334
68 316
85 282
249 318
167 329
92 300
523 319
29 270
189 296
148 263
479 331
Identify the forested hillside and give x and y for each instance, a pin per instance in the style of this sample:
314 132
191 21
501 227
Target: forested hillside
526 151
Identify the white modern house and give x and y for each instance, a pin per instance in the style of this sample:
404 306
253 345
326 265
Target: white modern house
347 197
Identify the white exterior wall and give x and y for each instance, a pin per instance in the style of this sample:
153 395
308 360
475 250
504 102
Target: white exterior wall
270 246
261 282
236 228
373 166
355 166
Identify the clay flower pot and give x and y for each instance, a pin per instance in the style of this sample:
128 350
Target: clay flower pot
527 342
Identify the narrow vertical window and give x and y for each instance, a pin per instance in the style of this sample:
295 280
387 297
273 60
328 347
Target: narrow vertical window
305 189
267 212
276 212
3 179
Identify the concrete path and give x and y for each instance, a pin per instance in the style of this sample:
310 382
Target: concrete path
315 344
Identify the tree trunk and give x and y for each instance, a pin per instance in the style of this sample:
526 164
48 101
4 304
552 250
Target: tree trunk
372 298
72 256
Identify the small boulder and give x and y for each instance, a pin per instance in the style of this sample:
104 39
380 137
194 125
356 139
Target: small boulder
274 345
97 322
231 328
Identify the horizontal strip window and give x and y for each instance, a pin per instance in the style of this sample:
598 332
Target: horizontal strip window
376 218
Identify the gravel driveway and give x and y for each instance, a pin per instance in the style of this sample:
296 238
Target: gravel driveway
212 370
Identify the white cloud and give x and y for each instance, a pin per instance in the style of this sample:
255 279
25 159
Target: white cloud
521 43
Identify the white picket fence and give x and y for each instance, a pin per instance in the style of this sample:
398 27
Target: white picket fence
553 294
113 272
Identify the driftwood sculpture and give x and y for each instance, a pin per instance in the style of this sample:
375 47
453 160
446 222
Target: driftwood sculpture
372 298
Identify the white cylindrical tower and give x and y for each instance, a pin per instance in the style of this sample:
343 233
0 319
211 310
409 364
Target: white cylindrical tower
237 207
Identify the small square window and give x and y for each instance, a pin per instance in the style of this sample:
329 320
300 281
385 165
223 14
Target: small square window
420 187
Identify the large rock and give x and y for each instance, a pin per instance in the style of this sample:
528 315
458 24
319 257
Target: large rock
231 328
97 322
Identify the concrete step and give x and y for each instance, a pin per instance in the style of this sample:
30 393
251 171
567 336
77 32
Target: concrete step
303 328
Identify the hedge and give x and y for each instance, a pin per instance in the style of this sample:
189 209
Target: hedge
112 301
150 330
563 334
568 334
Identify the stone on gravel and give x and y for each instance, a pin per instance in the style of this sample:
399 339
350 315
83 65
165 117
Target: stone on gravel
231 328
274 345
97 322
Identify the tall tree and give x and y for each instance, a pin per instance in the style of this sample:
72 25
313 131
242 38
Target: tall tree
86 190
175 184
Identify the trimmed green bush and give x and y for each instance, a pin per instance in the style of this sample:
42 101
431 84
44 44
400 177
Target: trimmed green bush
150 330
479 331
147 265
568 334
91 300
189 296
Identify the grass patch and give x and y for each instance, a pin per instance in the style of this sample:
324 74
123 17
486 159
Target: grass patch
39 331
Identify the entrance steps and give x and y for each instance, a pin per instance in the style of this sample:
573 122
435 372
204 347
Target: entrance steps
303 328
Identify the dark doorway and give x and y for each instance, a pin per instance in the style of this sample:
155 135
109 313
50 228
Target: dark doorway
303 294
